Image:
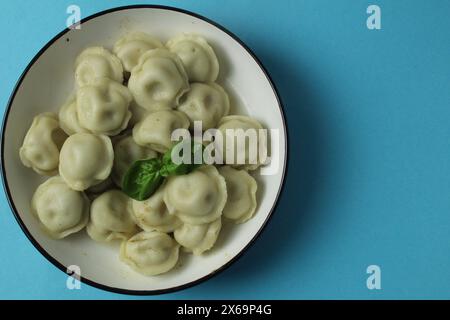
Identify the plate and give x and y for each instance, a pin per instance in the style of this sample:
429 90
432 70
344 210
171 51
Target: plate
47 82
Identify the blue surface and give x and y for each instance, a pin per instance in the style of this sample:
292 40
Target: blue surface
369 122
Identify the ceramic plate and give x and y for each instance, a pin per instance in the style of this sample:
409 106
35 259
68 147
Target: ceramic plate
46 84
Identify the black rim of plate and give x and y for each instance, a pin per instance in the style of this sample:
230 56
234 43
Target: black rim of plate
60 265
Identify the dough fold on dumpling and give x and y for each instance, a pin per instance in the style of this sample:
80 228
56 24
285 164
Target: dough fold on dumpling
205 102
61 211
111 217
231 127
155 130
152 214
85 160
158 81
68 117
126 152
198 238
103 106
198 197
241 190
150 253
97 62
199 59
42 143
132 46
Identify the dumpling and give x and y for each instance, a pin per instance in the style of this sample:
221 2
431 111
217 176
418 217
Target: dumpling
199 59
198 238
126 152
132 46
68 117
198 197
207 103
159 80
155 130
42 143
241 190
150 253
137 114
102 106
250 159
61 211
152 214
85 160
97 62
111 217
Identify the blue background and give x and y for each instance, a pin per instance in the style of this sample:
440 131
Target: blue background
369 174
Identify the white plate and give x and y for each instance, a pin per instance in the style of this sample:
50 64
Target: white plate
45 85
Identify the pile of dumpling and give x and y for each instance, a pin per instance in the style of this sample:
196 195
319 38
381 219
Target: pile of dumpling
124 108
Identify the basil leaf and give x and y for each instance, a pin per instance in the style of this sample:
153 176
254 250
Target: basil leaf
142 179
169 168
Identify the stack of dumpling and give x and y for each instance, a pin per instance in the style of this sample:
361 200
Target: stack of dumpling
126 104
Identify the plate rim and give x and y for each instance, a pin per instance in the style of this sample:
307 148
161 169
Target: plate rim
93 283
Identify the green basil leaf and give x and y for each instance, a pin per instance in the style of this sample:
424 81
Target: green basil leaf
142 179
169 168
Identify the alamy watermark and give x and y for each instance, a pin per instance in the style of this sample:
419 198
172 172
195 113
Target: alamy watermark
373 22
233 147
74 19
73 280
374 280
